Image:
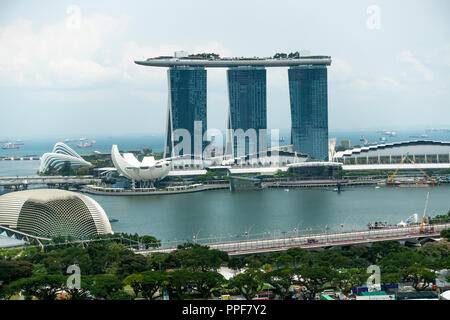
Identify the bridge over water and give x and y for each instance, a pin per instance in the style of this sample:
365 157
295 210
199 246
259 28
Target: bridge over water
22 182
320 241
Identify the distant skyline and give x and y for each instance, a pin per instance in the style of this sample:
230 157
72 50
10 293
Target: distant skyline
66 67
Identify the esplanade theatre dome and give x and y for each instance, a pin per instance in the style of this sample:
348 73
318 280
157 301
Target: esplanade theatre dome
52 213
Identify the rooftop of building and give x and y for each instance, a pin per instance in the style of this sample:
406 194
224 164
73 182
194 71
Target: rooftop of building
212 60
359 150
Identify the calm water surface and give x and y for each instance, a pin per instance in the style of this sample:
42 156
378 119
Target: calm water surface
224 215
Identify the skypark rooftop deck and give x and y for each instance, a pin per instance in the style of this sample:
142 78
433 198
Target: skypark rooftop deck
235 62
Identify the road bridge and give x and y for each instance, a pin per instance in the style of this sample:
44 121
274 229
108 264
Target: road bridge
22 182
319 241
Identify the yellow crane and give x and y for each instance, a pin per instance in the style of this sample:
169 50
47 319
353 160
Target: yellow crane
423 172
398 168
410 160
422 225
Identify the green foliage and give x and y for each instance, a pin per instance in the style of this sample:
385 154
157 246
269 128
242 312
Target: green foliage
421 277
248 283
281 280
314 278
236 263
198 257
207 282
12 270
446 234
43 287
347 279
105 286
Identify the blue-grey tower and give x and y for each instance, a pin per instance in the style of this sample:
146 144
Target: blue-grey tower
187 104
309 110
247 105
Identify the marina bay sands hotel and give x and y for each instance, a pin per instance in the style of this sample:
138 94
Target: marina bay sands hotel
247 96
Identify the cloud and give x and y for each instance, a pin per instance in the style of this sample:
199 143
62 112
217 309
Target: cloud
87 52
58 55
416 65
342 74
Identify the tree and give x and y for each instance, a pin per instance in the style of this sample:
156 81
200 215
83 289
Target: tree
66 169
390 278
131 263
314 278
397 261
298 255
348 279
178 283
421 277
248 283
44 287
436 255
281 280
206 282
446 233
11 270
135 282
380 249
198 257
104 286
152 282
158 261
281 259
150 242
236 263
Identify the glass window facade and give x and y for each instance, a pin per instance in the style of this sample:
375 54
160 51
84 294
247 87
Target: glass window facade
187 103
309 110
247 103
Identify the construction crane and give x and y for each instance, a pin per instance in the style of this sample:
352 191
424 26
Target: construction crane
398 168
412 162
423 172
422 225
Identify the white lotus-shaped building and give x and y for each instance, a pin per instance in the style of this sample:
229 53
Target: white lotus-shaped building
147 170
61 153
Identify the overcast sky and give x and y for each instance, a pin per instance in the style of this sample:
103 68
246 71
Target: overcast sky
66 67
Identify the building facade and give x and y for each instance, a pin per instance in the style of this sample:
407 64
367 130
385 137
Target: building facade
419 151
60 155
52 213
187 104
247 110
308 92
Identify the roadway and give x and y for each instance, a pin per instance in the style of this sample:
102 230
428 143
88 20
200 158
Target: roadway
315 241
28 180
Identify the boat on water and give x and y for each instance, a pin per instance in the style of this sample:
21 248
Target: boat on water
9 146
113 220
412 183
375 225
84 145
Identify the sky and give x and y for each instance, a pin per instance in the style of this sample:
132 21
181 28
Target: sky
67 67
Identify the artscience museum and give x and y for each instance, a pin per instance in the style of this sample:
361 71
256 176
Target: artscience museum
143 173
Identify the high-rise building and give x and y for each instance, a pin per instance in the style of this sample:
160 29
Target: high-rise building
309 110
247 108
187 104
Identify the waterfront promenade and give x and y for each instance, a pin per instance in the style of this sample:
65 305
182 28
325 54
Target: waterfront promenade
319 241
